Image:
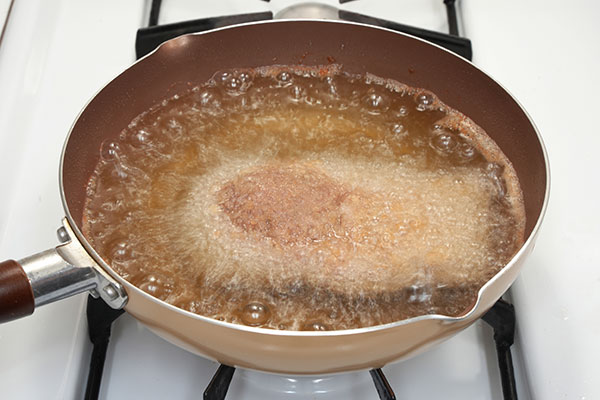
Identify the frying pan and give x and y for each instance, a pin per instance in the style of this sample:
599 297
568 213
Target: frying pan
74 266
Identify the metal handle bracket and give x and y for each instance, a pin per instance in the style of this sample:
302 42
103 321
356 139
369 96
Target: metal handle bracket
68 270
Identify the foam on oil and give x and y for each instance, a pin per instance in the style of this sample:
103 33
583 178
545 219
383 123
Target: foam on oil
305 198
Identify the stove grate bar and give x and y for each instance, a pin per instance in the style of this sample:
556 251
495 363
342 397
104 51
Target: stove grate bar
384 390
501 317
219 384
452 18
450 12
100 317
154 11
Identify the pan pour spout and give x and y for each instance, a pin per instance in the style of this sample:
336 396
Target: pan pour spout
53 275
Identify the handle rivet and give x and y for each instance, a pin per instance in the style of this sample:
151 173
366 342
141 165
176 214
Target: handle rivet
110 292
63 235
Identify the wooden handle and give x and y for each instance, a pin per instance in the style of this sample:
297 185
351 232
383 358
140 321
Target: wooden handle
16 295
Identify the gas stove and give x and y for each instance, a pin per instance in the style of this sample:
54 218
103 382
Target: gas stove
55 55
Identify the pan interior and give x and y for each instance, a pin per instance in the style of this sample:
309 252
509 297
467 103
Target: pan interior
358 49
297 198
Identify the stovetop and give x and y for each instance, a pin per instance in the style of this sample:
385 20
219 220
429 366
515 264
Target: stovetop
56 55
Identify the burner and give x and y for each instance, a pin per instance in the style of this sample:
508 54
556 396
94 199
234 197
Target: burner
308 10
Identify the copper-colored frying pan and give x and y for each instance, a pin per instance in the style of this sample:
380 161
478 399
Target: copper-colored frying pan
74 266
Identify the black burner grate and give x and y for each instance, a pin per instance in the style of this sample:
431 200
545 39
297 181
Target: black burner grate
147 39
100 318
502 319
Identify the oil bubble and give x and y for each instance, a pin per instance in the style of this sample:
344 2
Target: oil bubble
398 129
466 152
119 251
331 86
402 112
110 150
244 77
312 101
139 138
495 172
111 205
297 93
207 98
424 101
223 76
375 103
235 82
374 100
443 141
284 79
157 286
315 326
174 127
255 314
419 294
204 97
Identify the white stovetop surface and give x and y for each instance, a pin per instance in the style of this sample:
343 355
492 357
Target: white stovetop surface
56 55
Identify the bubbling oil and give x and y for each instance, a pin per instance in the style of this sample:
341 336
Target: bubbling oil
305 198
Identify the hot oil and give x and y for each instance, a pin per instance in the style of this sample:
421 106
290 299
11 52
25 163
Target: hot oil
305 198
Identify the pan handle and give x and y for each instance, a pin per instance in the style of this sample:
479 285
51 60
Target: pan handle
53 275
16 295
